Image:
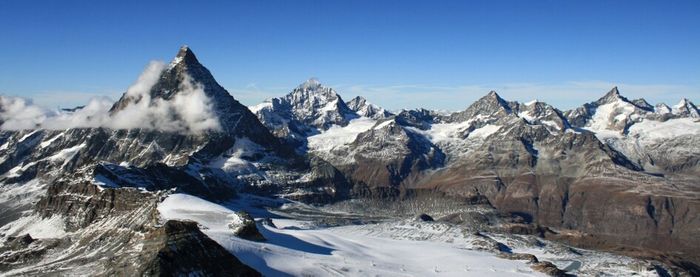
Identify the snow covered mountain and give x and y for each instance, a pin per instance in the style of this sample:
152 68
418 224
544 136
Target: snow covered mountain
657 138
113 189
310 104
535 160
174 130
685 108
363 108
309 109
196 97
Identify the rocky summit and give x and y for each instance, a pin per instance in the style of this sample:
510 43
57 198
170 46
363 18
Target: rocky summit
179 178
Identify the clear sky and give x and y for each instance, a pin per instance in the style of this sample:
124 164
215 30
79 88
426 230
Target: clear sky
398 54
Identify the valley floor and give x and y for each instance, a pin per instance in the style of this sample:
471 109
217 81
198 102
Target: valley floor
391 247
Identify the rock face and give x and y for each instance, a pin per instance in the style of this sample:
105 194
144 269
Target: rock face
615 174
185 70
659 139
104 184
386 155
180 248
363 108
308 109
612 111
549 269
490 105
685 108
116 232
594 169
248 229
424 217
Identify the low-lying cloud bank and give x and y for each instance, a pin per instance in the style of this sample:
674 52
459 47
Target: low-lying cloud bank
189 110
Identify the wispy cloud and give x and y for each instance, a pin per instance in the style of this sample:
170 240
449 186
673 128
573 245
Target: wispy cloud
70 99
189 110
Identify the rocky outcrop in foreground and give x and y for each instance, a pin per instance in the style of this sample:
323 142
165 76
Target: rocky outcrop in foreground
180 248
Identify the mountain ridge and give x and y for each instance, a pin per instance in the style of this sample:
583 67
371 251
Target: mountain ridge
612 173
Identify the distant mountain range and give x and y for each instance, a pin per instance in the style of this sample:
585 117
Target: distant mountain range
614 174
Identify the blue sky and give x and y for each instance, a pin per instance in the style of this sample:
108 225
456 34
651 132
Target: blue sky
398 54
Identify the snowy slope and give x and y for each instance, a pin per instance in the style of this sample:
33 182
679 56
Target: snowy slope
658 139
293 249
339 136
298 246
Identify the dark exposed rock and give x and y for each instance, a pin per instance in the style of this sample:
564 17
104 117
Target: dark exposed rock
235 119
363 108
178 248
20 242
268 222
74 109
486 243
541 167
160 176
526 229
424 217
83 203
490 105
248 229
23 250
110 224
386 156
308 109
548 268
519 256
418 118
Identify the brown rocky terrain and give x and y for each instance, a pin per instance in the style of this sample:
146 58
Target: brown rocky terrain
550 173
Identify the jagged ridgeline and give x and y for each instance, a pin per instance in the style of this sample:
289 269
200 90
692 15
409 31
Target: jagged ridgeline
103 182
614 174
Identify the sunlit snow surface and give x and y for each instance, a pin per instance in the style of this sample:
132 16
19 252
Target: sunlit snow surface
656 130
337 136
37 227
294 249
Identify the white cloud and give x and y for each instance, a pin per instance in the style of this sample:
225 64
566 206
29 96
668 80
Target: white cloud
190 110
148 78
94 114
18 113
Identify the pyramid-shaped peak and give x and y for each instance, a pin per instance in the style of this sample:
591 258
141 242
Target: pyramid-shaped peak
614 92
643 104
358 99
312 90
684 102
686 108
493 94
612 96
184 51
184 55
662 108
